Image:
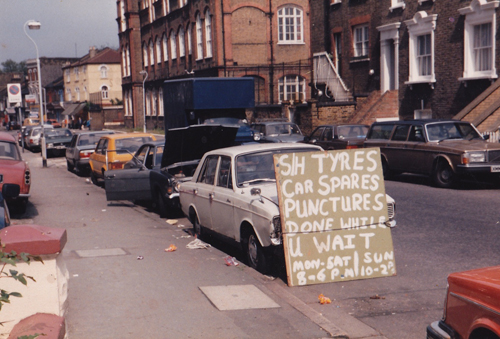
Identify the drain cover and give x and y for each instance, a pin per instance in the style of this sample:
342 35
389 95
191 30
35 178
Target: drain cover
105 252
237 297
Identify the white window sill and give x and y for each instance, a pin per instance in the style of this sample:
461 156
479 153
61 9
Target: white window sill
360 59
420 2
400 5
429 80
291 43
479 77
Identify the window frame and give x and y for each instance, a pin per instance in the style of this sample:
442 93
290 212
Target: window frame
290 25
477 13
364 43
288 81
421 25
208 34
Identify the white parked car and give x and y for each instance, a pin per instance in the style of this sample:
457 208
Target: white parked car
233 193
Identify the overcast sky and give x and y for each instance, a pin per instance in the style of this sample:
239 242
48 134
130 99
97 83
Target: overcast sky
69 27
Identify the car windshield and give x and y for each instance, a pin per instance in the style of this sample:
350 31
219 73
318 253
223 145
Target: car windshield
225 121
259 167
352 132
451 130
282 129
9 151
58 133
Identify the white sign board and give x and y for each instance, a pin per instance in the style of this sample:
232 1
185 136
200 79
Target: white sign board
14 93
333 211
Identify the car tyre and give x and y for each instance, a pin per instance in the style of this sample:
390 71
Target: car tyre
443 175
161 207
93 178
69 166
256 258
197 228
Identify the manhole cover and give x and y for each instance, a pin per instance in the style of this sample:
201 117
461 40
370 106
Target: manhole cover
237 297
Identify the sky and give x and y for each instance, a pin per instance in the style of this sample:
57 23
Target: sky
68 28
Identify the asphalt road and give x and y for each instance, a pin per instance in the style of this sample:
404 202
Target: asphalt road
137 290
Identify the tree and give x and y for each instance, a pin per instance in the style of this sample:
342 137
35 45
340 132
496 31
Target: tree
10 66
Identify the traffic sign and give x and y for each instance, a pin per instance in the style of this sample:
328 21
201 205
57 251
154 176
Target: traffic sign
14 92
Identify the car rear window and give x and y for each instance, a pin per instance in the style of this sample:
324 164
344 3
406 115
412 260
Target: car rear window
131 144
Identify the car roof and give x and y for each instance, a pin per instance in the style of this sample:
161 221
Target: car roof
4 136
414 122
273 123
339 125
250 148
93 132
126 135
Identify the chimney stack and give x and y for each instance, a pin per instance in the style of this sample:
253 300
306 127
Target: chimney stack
92 51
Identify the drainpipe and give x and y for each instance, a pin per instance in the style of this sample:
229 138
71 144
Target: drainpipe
223 38
271 70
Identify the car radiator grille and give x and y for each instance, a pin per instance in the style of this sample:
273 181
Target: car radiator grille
494 156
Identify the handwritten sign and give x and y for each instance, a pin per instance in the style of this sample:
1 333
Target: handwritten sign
333 211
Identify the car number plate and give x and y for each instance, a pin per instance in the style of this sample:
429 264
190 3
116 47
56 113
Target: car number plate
495 168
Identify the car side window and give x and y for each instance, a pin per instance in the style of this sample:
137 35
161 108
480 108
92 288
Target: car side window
141 156
416 134
224 176
401 133
207 174
380 132
317 133
100 146
73 141
328 135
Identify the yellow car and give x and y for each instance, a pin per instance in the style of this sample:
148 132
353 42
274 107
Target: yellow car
113 151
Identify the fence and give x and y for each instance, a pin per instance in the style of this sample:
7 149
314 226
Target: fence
494 136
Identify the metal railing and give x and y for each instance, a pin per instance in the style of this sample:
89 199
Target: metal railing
493 136
326 73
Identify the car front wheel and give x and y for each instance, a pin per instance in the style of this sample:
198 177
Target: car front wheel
256 257
443 175
161 207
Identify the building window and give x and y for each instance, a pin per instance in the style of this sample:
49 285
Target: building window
104 71
292 87
190 40
173 45
421 30
104 92
68 75
76 70
208 33
124 62
148 102
290 25
479 47
154 103
68 94
199 38
158 50
182 43
77 90
151 53
128 60
123 20
361 40
160 102
165 47
145 55
397 4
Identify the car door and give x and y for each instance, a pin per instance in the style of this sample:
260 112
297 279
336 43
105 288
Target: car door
395 150
98 158
203 193
223 200
132 182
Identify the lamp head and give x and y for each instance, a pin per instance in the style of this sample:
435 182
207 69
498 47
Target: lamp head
34 24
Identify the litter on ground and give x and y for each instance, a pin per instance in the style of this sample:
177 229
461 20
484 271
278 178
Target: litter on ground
197 243
324 300
231 261
170 248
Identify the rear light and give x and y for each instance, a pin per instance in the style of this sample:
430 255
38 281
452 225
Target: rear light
351 146
85 154
116 165
27 177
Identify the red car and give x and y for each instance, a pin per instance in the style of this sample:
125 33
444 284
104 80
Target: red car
14 170
54 123
472 306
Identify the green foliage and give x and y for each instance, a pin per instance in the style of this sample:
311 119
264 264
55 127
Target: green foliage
10 66
12 259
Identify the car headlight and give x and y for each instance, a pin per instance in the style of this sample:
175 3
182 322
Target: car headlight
50 145
471 157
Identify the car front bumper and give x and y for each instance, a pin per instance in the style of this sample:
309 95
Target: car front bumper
478 168
436 331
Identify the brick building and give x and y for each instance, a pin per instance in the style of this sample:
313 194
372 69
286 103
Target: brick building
438 56
172 39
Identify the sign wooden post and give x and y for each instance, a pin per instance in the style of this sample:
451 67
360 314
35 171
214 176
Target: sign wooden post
333 211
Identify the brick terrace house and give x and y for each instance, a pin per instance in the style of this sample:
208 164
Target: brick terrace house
95 78
404 58
267 40
51 72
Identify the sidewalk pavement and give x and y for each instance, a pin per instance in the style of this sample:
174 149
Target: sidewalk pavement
124 284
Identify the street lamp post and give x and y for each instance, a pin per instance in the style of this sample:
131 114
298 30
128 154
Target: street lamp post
35 25
144 98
